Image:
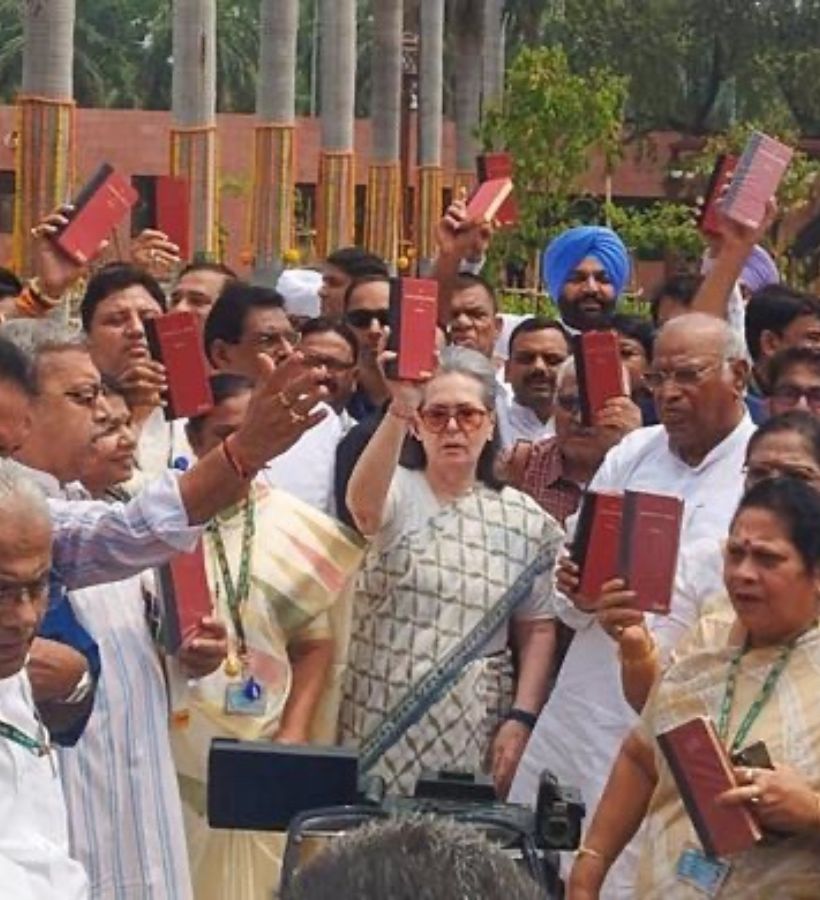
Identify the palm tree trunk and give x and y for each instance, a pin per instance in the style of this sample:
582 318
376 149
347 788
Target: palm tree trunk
384 175
193 108
45 149
336 200
431 84
272 212
468 22
493 56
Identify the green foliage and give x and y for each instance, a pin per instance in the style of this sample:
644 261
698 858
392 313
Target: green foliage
658 230
551 120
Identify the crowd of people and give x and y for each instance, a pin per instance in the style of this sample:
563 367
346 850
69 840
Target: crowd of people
387 564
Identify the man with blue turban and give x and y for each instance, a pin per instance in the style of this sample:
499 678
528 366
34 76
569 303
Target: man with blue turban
585 270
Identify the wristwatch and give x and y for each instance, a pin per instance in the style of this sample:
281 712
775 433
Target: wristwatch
81 690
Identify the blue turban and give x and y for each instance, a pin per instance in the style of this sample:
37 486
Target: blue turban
564 254
759 270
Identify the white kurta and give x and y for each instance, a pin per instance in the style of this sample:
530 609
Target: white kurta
520 423
580 730
125 814
34 860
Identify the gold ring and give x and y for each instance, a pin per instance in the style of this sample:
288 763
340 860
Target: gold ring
283 399
296 417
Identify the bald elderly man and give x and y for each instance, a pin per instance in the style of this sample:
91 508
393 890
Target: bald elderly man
586 269
697 453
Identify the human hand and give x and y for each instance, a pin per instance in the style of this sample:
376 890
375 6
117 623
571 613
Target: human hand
406 395
154 251
54 669
586 878
143 382
506 751
281 408
459 237
568 580
56 270
625 625
205 649
617 417
780 799
734 237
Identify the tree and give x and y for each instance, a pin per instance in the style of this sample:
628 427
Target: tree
45 151
492 53
467 18
551 120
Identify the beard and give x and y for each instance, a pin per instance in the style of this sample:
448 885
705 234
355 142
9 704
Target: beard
574 316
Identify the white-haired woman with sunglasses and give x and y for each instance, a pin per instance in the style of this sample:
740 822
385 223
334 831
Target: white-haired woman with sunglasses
447 589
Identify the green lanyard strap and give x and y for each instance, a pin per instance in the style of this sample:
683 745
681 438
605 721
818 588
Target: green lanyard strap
759 702
14 734
236 594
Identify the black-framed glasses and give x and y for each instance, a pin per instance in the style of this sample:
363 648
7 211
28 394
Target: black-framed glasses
467 418
275 340
363 318
685 376
329 362
85 396
791 394
11 591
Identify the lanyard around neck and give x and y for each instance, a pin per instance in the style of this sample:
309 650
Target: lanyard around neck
38 746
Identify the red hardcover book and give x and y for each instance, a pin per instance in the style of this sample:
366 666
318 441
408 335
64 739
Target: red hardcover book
185 596
99 207
499 165
595 548
599 371
175 340
173 212
413 317
702 771
488 199
756 179
648 548
719 181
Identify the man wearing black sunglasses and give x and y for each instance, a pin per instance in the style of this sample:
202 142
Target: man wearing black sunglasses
366 304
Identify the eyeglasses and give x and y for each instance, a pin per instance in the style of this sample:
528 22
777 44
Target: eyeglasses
686 376
756 473
329 362
570 403
87 396
790 395
268 340
468 418
33 590
362 318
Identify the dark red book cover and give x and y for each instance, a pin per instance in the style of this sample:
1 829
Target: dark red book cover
413 316
702 771
488 199
599 371
595 548
719 180
173 212
185 595
648 550
499 165
175 340
100 206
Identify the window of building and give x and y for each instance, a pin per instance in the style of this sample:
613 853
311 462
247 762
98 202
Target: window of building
6 201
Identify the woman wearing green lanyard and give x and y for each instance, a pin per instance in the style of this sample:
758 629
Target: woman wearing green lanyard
760 683
275 566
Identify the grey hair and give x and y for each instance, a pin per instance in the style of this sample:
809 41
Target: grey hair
463 361
413 858
36 337
18 491
734 344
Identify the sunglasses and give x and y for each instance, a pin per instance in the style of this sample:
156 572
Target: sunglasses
468 418
362 318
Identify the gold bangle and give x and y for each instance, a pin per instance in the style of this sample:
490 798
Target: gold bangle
583 850
37 292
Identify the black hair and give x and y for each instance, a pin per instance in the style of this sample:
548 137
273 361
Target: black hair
789 357
797 506
681 288
531 324
358 282
15 368
774 308
636 328
358 263
111 386
117 276
226 320
797 421
217 267
465 280
10 284
327 325
224 385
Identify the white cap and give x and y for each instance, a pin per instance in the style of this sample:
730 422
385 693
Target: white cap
300 288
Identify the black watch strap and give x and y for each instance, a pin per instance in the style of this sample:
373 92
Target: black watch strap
521 715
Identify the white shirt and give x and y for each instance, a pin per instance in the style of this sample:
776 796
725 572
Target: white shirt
520 423
34 860
580 729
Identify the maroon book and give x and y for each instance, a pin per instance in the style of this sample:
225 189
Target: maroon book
499 165
599 371
719 180
595 548
185 596
648 548
175 340
173 212
702 771
413 316
100 206
488 199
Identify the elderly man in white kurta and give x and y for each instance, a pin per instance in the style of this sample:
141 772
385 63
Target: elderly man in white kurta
696 454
